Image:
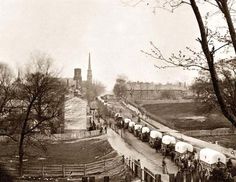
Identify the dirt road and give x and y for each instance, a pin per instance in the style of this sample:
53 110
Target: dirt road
132 148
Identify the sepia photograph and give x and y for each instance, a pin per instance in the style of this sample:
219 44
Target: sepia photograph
117 90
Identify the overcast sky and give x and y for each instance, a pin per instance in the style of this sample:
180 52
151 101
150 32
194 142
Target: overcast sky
111 31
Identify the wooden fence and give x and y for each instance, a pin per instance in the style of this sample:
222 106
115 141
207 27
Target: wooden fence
215 132
70 136
65 170
62 136
142 173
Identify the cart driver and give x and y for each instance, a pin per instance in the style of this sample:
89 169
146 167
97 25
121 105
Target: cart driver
218 163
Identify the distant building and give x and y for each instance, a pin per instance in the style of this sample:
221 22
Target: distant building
148 91
77 78
77 85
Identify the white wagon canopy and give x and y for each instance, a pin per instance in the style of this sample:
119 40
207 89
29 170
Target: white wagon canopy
131 124
183 147
127 120
155 134
210 156
137 126
145 129
168 140
117 115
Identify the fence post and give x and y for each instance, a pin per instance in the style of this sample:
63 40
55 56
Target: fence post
144 174
172 178
42 170
92 179
132 166
63 171
106 179
188 177
104 168
157 178
84 169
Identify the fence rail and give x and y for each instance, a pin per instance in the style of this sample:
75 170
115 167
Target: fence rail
215 132
66 170
62 136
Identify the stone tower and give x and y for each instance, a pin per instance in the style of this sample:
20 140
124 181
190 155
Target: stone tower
78 78
89 73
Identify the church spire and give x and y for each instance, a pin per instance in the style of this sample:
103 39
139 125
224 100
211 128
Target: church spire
89 72
89 64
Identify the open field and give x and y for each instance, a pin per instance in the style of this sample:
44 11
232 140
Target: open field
187 116
81 151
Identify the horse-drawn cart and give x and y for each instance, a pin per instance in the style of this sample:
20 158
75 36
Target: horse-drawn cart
145 134
126 123
168 144
137 130
131 126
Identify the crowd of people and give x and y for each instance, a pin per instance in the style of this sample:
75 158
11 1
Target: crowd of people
190 164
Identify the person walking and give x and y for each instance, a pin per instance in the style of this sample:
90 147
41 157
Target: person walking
164 166
101 130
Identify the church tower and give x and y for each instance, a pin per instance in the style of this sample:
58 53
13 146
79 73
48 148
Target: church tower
89 73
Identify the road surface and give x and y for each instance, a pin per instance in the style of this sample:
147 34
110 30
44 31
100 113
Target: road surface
199 144
132 148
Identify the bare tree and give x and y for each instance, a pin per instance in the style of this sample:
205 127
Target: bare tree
211 42
6 79
94 90
204 89
98 88
120 87
37 106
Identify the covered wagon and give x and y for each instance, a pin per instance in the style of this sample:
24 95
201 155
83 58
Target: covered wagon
131 126
137 130
168 144
145 134
126 122
211 160
119 121
117 115
183 152
155 139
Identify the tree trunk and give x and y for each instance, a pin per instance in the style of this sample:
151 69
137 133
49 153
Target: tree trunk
21 154
210 61
22 137
225 11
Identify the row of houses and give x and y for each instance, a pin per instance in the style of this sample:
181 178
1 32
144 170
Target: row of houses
148 91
